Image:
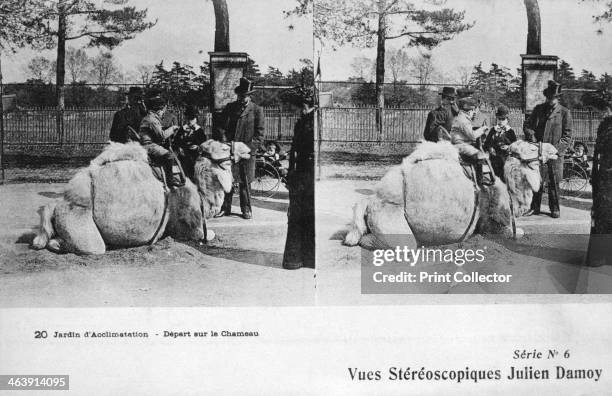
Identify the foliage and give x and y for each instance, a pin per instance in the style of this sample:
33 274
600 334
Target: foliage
21 24
252 71
104 69
99 21
495 85
363 67
181 84
41 69
77 64
358 22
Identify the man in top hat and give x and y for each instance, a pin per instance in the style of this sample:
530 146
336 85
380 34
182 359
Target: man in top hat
440 120
153 137
241 121
550 123
128 117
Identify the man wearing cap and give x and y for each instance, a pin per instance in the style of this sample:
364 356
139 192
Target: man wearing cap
153 138
241 121
440 120
128 117
550 123
498 139
463 135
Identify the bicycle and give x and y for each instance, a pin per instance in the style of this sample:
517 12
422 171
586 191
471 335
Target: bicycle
575 177
268 178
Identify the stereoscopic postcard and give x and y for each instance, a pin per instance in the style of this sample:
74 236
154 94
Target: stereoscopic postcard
306 197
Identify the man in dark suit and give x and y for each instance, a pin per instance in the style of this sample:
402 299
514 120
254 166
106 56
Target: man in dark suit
550 123
241 121
128 117
440 120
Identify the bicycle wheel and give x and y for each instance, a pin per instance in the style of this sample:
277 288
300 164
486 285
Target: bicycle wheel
574 181
266 181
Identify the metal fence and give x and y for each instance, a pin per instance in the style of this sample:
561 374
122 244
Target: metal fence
406 125
37 126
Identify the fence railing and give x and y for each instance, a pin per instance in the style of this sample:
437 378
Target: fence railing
37 126
406 125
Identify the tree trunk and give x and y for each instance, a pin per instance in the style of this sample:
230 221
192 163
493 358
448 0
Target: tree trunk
380 68
222 41
534 28
60 72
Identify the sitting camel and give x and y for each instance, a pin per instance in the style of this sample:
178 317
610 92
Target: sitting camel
430 200
117 201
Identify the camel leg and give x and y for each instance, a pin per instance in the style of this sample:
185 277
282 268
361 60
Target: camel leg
358 227
76 230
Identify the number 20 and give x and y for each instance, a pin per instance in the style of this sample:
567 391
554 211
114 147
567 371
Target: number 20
40 334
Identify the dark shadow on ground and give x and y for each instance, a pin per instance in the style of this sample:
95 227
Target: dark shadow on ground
277 195
338 235
571 203
51 194
26 238
529 246
247 256
271 205
364 191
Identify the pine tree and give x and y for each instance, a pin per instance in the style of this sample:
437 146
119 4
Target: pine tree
103 23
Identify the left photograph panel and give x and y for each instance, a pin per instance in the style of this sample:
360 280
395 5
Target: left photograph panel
156 153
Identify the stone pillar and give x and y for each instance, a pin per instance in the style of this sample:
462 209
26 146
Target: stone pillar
537 70
226 69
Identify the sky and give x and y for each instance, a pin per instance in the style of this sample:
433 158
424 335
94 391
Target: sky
500 36
185 33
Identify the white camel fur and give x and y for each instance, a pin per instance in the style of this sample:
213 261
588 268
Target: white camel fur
117 201
428 199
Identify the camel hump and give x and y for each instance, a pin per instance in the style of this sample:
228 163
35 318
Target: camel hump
424 151
121 152
128 202
439 200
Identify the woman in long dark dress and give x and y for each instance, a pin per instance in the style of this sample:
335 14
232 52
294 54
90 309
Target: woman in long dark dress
600 244
300 244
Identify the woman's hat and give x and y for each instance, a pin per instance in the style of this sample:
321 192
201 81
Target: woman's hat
502 111
467 104
191 112
553 89
245 86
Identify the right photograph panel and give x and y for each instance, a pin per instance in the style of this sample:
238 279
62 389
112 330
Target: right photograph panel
462 147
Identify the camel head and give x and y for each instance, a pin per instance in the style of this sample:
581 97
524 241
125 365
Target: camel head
522 172
221 155
241 151
225 153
